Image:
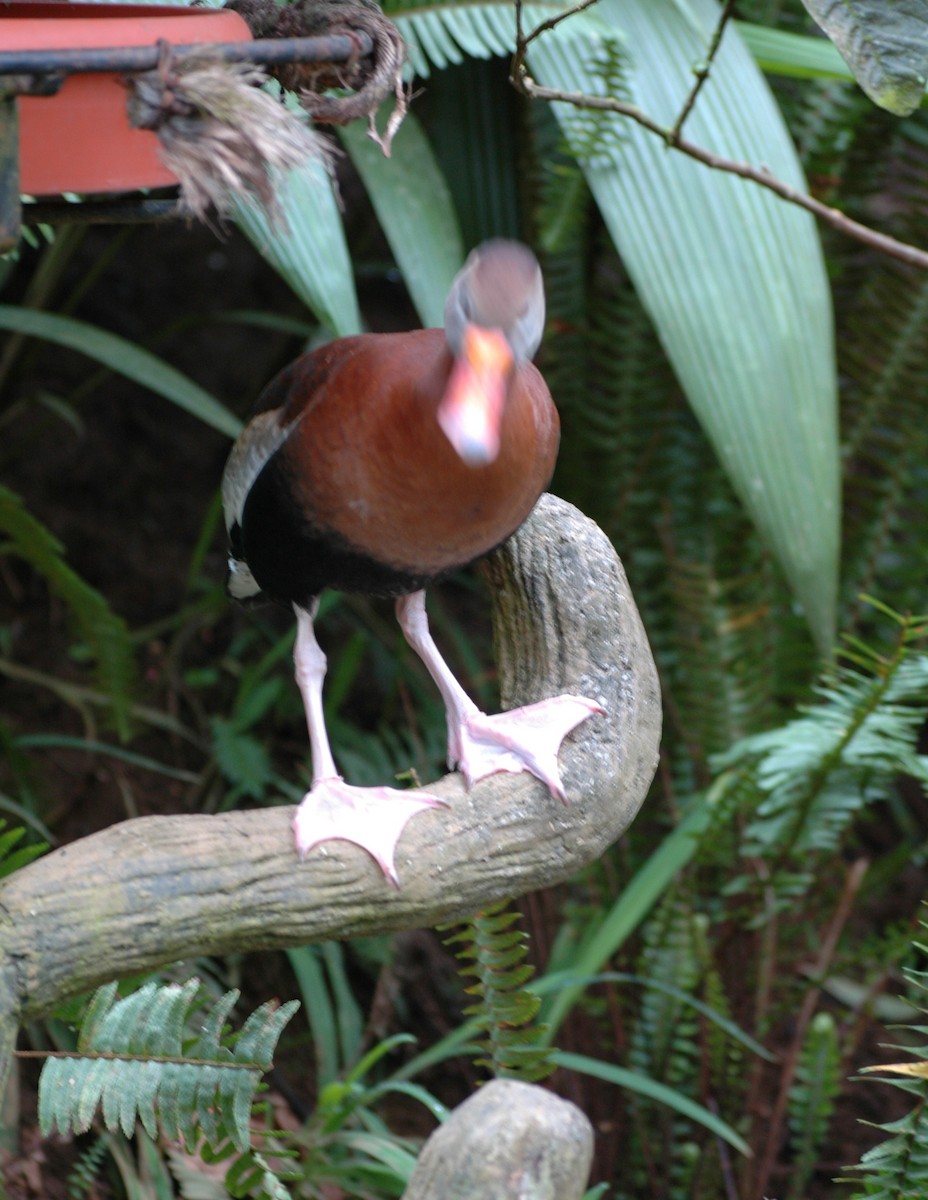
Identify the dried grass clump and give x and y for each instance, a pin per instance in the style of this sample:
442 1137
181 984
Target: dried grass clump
221 135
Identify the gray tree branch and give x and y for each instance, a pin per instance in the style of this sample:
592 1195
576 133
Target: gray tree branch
155 890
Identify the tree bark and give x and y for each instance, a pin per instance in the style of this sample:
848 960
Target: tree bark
155 890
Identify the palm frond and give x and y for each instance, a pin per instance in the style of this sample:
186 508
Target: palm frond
768 403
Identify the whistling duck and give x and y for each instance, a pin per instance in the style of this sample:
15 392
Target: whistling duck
378 464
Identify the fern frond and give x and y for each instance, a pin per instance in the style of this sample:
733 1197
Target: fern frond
104 631
82 1178
887 444
135 1063
493 951
812 1097
816 772
664 1043
898 1167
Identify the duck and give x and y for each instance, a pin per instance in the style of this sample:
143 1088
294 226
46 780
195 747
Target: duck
379 464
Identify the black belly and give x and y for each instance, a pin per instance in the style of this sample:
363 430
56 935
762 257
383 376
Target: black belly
292 560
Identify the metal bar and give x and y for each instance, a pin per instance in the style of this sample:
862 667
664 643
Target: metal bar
266 51
9 174
101 212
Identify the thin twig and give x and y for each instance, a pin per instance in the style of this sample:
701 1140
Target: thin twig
523 82
550 23
702 71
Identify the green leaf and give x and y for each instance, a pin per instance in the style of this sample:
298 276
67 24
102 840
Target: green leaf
654 1090
307 245
105 632
126 358
415 211
638 898
243 760
779 52
732 277
31 741
12 859
131 1066
884 44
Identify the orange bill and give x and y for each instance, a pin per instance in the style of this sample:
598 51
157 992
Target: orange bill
471 409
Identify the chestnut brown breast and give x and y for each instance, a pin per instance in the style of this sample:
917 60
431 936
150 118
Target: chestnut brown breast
366 470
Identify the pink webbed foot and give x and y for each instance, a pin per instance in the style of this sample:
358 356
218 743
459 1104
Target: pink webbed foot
370 817
524 739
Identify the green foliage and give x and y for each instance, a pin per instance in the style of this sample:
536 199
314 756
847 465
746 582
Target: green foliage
82 1178
812 1098
897 1167
13 857
812 775
774 773
491 949
135 362
135 1063
105 632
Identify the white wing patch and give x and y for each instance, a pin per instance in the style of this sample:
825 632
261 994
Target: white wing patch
241 584
260 438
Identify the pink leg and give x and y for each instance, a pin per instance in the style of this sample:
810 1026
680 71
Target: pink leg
526 739
372 818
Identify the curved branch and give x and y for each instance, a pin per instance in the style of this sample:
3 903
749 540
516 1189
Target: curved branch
153 890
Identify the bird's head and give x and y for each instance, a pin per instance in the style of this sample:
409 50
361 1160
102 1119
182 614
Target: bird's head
494 318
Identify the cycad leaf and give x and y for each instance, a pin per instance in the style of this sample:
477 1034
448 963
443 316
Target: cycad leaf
415 211
105 632
306 245
733 278
126 358
885 45
439 35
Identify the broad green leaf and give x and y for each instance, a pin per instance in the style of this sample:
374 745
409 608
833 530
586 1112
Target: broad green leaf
779 52
884 42
126 358
414 208
654 1090
733 277
320 1012
307 246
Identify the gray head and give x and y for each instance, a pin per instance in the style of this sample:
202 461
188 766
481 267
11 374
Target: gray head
499 287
